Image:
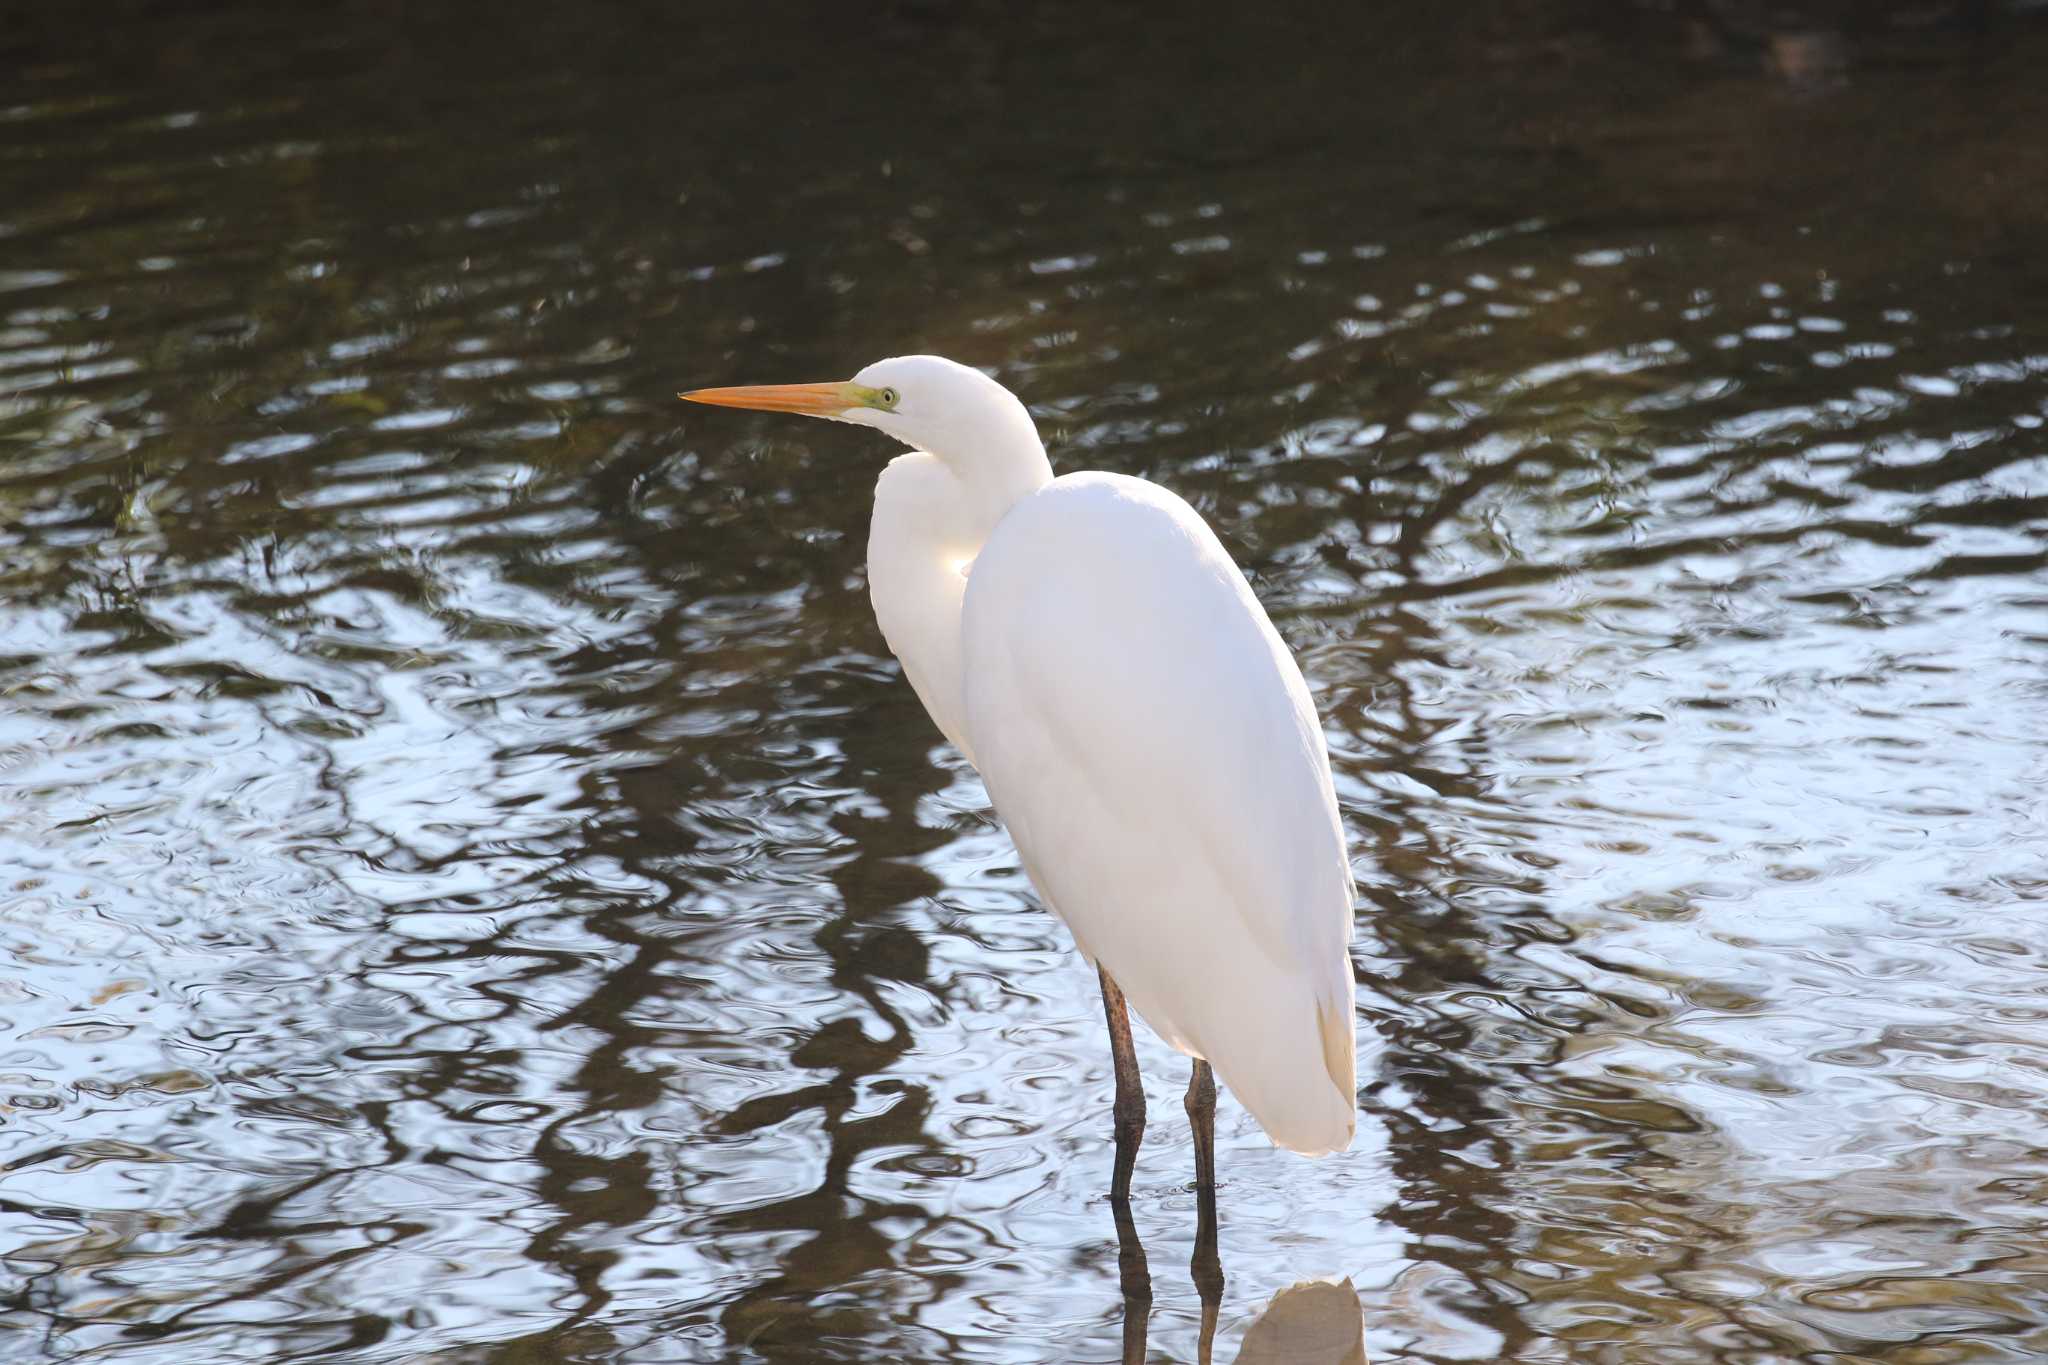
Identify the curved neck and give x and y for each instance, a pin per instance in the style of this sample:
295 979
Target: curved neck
934 510
989 498
928 526
921 542
1002 464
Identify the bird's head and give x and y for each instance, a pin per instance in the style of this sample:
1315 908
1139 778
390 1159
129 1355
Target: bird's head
927 402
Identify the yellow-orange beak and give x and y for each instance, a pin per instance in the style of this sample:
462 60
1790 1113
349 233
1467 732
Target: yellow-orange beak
813 400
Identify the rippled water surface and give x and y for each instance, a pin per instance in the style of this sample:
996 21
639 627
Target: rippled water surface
475 888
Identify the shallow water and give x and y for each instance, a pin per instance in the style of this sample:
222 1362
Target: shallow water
476 888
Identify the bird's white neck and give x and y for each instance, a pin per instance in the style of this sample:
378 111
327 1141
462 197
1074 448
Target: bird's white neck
995 481
989 444
932 515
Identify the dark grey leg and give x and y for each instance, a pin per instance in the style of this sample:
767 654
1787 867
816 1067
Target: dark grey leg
1207 1265
1130 1090
1201 1105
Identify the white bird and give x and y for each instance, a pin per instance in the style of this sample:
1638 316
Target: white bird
1089 646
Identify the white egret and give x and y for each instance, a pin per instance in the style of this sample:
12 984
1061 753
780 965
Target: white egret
1089 646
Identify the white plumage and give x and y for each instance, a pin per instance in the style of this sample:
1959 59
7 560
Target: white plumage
1151 746
1142 729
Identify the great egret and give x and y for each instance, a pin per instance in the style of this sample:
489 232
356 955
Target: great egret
1087 644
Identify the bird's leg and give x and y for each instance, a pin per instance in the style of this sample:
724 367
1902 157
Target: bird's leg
1207 1265
1130 1091
1201 1103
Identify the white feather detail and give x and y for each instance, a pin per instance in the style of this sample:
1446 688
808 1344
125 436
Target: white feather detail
1154 751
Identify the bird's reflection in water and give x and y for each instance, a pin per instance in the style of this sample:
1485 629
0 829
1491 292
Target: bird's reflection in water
1315 1322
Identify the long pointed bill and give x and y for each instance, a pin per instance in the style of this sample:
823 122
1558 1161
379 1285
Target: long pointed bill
813 400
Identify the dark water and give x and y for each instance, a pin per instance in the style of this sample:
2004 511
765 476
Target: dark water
475 889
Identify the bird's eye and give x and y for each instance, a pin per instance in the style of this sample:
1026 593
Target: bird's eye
888 398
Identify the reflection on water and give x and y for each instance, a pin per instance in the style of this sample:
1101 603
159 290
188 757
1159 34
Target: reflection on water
475 888
1316 1322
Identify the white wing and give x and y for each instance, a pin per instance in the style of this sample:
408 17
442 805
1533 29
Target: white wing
1149 741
